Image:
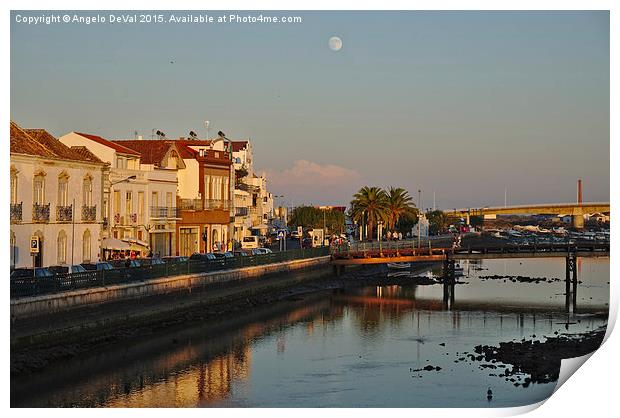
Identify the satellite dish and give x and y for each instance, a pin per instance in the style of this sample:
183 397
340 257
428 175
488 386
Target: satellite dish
192 134
221 134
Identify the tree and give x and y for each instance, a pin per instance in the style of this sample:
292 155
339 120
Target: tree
370 204
311 217
399 205
438 221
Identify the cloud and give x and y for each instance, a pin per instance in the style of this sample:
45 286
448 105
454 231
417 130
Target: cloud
311 182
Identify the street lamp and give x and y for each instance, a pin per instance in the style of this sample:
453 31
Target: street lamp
132 177
419 209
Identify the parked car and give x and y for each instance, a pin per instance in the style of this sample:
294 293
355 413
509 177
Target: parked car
203 257
67 269
258 251
101 265
40 272
295 234
177 259
241 253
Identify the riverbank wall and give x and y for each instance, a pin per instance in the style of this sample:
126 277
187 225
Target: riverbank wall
91 314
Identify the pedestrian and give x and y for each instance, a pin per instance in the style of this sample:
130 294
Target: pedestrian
400 236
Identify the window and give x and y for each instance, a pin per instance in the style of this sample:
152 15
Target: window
226 187
86 246
121 162
38 183
13 249
128 204
61 245
169 200
154 199
87 191
207 187
63 190
13 187
117 202
141 207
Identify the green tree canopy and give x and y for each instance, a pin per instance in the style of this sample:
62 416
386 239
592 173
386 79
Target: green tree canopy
312 217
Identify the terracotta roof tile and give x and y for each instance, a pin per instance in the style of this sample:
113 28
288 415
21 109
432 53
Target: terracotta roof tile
40 143
85 153
113 145
238 145
151 151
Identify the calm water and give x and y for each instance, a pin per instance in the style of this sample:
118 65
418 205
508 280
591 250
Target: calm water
340 350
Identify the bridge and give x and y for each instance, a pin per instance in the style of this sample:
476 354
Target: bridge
576 210
396 252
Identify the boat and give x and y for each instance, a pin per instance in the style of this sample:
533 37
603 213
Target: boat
399 266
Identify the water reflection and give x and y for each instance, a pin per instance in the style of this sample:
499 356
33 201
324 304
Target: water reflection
336 349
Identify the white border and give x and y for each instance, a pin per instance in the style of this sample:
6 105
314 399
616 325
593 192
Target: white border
591 391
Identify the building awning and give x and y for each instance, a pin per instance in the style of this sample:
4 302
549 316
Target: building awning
114 244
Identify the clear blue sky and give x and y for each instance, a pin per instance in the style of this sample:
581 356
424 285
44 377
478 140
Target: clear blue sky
463 103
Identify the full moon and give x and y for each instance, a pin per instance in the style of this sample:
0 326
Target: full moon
335 43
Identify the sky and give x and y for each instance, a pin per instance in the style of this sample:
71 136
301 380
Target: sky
462 106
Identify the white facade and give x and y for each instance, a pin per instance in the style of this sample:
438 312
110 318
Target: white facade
253 203
67 217
139 200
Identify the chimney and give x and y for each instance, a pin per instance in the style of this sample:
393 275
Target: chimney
579 193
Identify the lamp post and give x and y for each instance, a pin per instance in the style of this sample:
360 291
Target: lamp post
419 209
132 177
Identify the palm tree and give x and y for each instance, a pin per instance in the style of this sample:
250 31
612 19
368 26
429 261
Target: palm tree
370 203
400 205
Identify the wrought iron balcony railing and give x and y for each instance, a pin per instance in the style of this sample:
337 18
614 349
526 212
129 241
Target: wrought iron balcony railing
40 213
208 204
164 212
64 213
16 212
89 213
242 211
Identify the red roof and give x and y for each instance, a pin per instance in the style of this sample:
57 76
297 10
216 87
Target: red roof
152 151
238 145
40 143
117 147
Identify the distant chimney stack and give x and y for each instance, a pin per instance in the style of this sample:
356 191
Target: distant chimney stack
579 193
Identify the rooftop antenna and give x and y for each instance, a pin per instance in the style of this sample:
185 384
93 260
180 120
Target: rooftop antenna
207 123
135 134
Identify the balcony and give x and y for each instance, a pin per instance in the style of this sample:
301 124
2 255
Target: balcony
89 213
163 212
16 212
40 213
209 204
242 211
64 213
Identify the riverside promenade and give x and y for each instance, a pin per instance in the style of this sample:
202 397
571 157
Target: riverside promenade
95 312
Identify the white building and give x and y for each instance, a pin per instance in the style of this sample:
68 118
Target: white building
140 198
254 210
56 195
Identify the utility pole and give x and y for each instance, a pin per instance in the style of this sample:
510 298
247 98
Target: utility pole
72 234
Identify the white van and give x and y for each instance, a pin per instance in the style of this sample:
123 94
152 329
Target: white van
249 242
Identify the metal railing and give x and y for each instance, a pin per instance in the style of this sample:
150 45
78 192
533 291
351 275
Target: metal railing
89 213
40 213
242 211
29 286
164 212
208 204
64 213
16 212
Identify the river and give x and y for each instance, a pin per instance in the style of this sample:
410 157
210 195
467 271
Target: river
363 347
